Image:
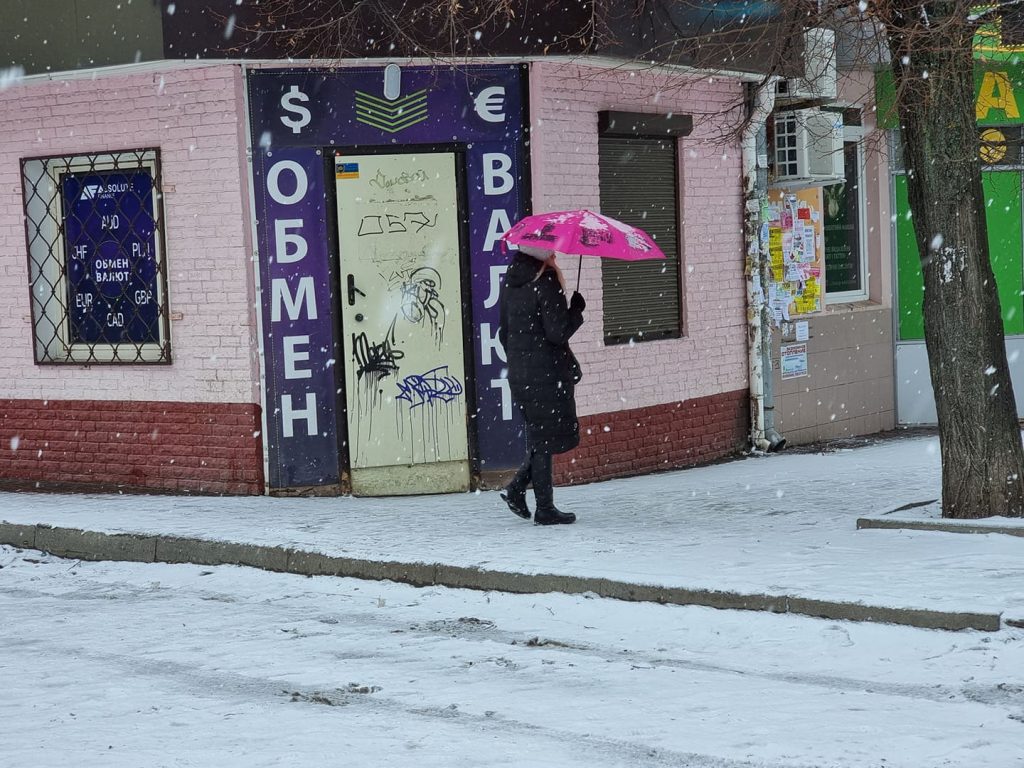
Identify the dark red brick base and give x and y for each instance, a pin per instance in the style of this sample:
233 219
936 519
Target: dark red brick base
666 436
184 447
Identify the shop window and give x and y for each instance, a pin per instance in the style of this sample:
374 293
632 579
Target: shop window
98 278
845 254
642 299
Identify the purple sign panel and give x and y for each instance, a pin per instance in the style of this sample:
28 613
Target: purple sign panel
110 240
496 173
478 111
298 336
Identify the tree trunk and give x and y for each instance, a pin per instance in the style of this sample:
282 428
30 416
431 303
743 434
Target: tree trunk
982 459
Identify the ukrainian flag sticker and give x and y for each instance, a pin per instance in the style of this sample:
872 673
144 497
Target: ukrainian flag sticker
346 170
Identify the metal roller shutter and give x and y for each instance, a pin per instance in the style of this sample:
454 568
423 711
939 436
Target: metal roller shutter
638 186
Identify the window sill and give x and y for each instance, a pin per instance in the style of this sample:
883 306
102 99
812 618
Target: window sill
855 305
616 341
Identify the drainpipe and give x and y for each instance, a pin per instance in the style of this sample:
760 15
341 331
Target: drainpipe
763 435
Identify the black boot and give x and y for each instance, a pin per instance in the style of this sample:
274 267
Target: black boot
515 492
551 515
516 501
543 489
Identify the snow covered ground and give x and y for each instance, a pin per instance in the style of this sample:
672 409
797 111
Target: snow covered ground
125 665
781 524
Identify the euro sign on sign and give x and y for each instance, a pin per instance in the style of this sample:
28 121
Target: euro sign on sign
489 104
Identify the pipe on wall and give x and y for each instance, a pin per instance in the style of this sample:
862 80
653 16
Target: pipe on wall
763 434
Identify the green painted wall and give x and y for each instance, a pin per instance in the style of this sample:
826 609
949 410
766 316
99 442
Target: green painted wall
1003 195
998 94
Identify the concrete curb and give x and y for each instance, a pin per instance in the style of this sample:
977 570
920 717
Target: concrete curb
93 545
938 525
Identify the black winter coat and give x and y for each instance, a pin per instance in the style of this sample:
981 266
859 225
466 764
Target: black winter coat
536 325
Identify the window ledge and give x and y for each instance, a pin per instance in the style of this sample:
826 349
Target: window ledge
857 305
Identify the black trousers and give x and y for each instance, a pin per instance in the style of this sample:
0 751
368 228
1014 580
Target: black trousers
536 467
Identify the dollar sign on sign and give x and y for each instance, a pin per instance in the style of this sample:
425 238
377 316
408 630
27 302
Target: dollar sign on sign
301 120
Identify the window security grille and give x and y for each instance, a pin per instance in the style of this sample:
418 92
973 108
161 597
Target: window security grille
98 276
808 147
787 162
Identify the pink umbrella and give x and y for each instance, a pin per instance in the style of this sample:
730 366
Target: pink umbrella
582 233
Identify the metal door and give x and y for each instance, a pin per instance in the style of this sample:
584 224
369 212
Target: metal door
401 296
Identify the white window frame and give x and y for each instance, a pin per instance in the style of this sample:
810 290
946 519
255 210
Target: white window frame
48 259
855 135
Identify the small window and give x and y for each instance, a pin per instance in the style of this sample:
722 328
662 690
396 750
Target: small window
642 299
96 258
845 254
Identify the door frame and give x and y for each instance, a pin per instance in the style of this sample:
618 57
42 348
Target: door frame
465 274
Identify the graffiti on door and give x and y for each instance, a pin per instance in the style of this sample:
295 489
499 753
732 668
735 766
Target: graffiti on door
399 236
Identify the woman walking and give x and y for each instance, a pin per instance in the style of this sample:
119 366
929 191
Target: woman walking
536 326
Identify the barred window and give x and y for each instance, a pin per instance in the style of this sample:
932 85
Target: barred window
98 277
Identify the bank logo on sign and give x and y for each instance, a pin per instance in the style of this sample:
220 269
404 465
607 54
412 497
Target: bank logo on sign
391 116
89 191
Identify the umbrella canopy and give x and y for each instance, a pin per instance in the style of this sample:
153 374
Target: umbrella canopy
583 233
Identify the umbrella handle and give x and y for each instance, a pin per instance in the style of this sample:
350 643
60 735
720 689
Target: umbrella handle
579 272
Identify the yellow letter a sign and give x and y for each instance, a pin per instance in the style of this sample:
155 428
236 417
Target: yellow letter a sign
996 93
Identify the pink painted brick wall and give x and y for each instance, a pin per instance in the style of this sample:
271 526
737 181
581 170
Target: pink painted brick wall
195 116
711 357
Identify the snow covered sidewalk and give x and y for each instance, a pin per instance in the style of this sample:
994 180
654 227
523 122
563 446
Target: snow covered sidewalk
780 526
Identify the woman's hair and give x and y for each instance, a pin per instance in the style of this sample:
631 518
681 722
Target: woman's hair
549 263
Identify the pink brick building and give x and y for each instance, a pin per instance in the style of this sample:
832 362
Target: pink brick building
255 374
192 424
670 402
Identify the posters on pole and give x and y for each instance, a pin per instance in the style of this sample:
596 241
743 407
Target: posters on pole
795 251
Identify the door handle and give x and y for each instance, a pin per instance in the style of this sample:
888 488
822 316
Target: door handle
352 290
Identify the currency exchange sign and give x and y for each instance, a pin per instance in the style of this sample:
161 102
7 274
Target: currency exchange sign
110 243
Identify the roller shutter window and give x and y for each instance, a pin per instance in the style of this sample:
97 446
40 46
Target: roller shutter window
642 299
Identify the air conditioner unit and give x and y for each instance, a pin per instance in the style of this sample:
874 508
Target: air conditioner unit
808 147
819 79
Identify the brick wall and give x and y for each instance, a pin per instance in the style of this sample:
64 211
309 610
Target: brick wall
665 436
99 424
711 357
169 446
659 404
196 118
